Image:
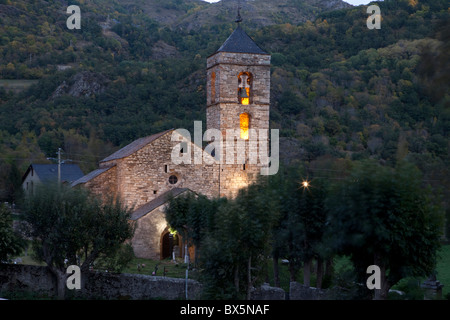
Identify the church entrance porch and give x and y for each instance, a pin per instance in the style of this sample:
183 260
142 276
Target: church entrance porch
170 244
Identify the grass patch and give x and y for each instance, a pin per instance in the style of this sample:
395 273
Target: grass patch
443 269
27 258
24 295
161 268
412 285
284 275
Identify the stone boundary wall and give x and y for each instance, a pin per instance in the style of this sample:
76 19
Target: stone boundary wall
298 291
27 278
98 285
266 292
112 286
104 285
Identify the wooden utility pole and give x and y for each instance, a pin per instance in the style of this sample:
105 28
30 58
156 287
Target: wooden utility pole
59 166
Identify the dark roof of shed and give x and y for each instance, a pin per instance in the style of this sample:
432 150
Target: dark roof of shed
49 172
134 146
91 175
240 42
157 202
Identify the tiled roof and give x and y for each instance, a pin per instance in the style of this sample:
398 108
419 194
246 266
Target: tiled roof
91 175
155 203
134 146
240 42
49 172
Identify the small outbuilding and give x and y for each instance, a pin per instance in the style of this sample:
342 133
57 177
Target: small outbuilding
47 173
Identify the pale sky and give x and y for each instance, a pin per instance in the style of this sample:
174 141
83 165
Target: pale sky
353 2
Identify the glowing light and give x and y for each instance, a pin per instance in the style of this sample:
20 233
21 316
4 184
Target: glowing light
246 101
172 231
305 184
244 119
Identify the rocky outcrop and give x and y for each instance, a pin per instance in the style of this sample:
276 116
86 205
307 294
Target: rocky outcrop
162 50
83 84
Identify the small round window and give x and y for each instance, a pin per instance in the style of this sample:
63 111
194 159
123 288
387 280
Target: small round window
173 179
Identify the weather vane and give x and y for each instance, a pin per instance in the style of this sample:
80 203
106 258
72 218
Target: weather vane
239 18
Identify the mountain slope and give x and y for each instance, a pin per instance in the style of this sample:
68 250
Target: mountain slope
338 89
34 39
260 13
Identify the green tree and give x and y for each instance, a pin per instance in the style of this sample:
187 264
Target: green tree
302 222
193 217
70 226
385 217
234 254
311 217
11 182
10 242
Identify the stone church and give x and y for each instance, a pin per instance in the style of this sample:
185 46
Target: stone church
144 174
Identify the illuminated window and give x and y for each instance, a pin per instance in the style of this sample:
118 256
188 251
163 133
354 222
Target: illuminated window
244 80
213 87
244 96
244 120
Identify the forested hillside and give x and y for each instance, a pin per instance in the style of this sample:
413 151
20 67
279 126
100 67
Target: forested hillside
339 89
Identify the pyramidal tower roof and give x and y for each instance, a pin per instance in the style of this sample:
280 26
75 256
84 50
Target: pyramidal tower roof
240 42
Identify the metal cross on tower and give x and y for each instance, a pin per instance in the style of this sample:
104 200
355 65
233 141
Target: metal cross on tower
239 18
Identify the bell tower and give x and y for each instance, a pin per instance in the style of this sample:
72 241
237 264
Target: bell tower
238 98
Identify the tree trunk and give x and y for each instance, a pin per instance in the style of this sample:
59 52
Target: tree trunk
249 278
307 273
60 275
236 279
319 272
276 271
61 285
329 267
292 271
61 279
382 293
195 256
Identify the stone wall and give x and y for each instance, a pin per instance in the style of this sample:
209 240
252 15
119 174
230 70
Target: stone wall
138 287
104 184
227 66
97 285
146 241
266 292
27 278
224 110
111 286
299 291
144 175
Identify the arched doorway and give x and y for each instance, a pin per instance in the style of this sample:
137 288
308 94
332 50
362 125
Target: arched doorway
169 242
